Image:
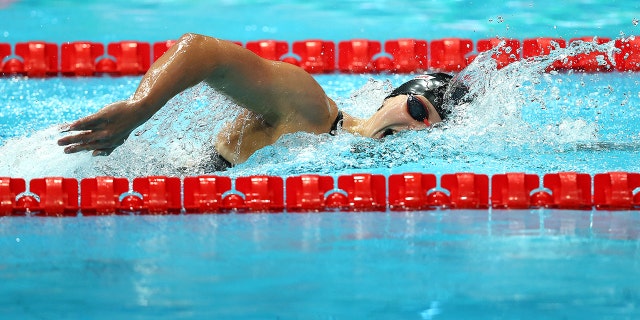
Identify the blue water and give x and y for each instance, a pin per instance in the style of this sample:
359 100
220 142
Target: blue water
243 20
567 122
459 264
422 265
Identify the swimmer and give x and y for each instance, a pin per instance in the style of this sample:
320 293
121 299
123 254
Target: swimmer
278 98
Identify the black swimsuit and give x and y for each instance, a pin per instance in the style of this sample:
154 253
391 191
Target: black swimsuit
218 163
336 123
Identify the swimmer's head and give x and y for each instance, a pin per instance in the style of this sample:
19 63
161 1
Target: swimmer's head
414 105
430 86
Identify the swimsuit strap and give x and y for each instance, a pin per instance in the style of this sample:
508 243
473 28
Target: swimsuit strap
336 124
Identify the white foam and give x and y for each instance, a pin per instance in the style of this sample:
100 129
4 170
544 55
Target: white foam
39 155
517 113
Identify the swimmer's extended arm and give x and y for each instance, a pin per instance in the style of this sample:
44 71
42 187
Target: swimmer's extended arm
276 90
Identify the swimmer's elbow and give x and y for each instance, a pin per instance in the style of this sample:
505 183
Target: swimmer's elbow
190 37
200 52
192 42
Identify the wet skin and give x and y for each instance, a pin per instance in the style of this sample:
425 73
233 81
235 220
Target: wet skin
278 98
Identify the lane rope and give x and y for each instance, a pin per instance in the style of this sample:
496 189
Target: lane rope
59 196
86 58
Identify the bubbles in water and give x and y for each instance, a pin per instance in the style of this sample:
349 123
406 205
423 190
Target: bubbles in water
504 100
432 311
174 142
364 101
518 117
634 21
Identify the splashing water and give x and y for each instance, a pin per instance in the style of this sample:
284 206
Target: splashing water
520 118
173 142
501 97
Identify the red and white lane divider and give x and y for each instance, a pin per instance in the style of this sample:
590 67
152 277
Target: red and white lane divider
86 58
58 196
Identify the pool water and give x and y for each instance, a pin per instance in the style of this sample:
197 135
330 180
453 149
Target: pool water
399 265
567 122
290 20
439 264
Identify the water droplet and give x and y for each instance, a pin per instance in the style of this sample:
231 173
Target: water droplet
635 21
500 19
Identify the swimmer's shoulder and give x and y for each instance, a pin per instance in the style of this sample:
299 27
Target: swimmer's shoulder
305 102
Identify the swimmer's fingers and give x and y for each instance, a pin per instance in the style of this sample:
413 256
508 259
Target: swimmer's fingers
80 138
99 148
90 140
81 147
103 131
87 123
121 114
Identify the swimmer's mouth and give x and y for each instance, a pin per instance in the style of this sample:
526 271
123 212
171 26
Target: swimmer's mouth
386 133
383 133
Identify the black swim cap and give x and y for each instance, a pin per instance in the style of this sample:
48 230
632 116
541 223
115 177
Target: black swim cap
431 86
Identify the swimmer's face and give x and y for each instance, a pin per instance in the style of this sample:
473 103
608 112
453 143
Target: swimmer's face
393 116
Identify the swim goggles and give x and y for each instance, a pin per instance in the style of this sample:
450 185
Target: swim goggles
417 109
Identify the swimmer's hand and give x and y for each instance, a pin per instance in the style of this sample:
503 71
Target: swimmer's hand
105 130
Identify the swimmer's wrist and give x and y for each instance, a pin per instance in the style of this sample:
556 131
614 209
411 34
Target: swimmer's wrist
138 112
143 107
